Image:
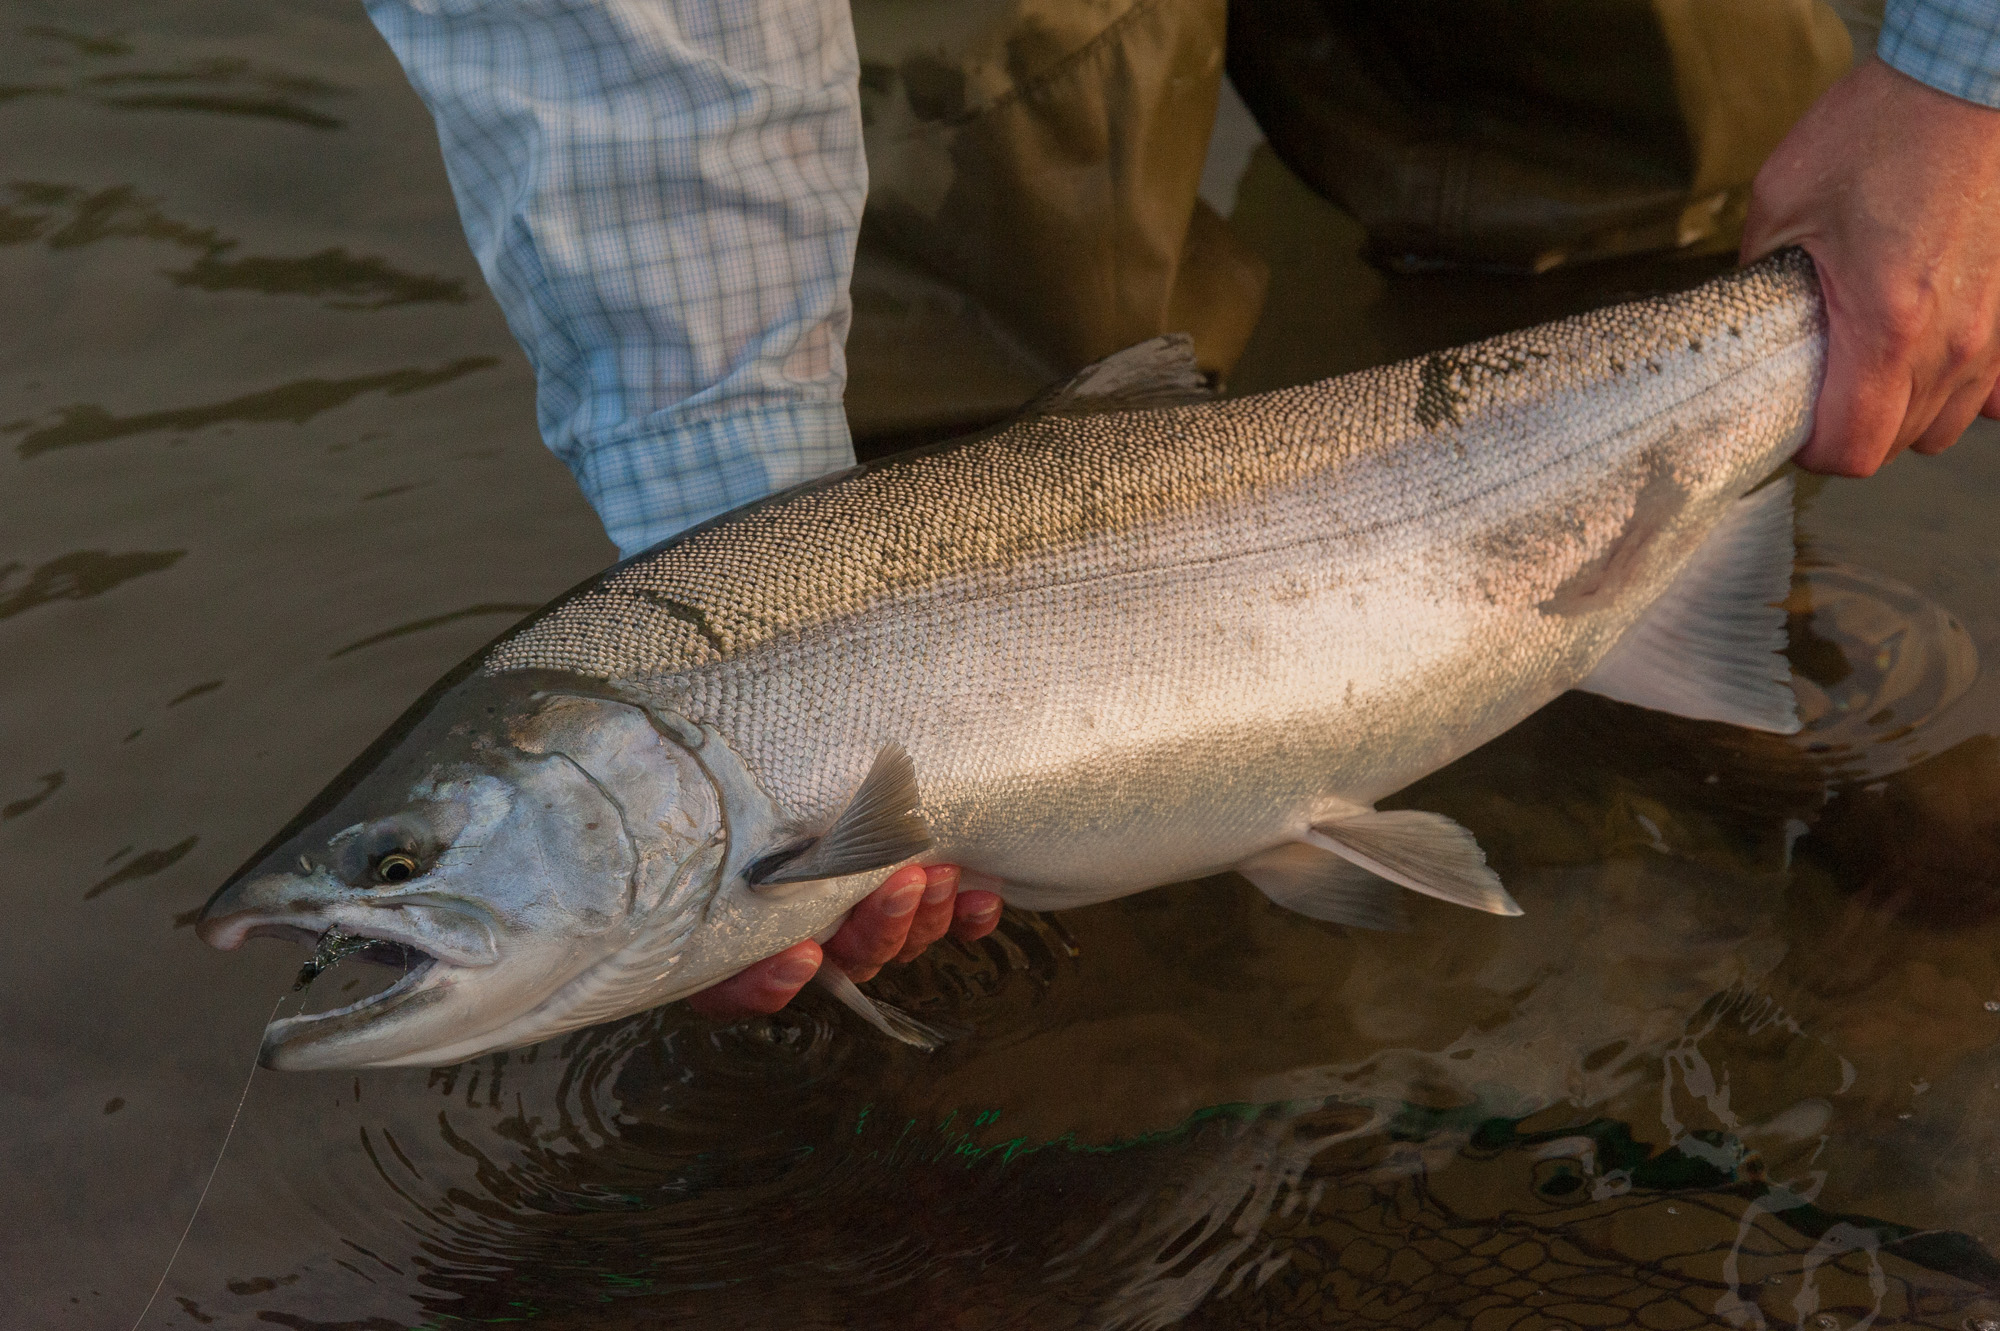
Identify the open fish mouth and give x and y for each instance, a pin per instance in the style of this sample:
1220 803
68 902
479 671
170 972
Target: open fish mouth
420 965
421 972
335 946
430 943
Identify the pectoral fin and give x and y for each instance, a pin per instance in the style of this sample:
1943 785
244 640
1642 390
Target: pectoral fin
891 1021
1320 884
1425 852
879 827
1711 647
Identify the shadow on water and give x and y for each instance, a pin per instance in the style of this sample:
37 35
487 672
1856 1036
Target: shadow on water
1738 1063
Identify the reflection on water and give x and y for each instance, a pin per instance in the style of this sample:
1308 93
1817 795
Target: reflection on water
1736 1064
67 216
143 865
767 1174
504 610
76 575
296 402
223 85
51 782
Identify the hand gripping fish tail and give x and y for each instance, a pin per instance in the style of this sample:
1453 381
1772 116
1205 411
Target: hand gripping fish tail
1138 635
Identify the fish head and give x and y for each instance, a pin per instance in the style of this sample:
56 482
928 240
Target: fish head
505 843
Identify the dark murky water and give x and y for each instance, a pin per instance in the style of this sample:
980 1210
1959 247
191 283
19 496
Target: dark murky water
269 467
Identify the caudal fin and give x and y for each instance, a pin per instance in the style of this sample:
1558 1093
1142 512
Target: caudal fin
1712 646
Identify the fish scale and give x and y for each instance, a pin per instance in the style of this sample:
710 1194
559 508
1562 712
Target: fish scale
1174 630
1073 494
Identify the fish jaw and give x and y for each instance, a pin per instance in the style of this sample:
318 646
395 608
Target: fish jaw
477 959
436 942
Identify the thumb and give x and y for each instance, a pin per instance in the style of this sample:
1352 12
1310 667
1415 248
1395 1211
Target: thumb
1761 238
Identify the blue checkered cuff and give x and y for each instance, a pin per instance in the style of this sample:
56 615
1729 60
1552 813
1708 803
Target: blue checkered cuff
653 477
1953 45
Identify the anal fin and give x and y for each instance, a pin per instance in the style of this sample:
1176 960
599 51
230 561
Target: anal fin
1712 646
891 1021
879 827
1425 852
1318 883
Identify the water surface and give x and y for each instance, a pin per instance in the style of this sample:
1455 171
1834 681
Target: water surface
267 467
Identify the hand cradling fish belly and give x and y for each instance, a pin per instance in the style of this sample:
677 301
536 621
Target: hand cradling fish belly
1137 636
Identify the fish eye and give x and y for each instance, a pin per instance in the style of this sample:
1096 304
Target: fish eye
398 866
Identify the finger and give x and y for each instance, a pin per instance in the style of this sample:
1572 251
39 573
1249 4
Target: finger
933 917
1991 408
1861 404
1957 413
764 987
975 915
875 929
1947 389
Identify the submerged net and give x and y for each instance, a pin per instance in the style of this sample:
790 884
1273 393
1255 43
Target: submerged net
1625 1239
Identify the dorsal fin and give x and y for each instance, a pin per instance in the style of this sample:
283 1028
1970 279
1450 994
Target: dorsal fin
1159 372
879 827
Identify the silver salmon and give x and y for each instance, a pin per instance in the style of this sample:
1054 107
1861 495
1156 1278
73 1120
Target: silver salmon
1133 637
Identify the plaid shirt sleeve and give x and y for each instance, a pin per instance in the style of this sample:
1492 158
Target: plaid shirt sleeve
1953 45
664 195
